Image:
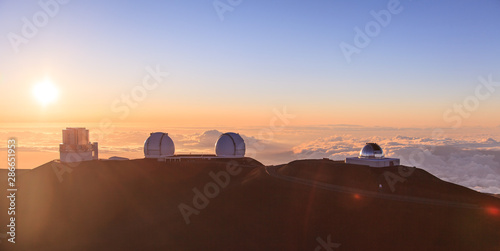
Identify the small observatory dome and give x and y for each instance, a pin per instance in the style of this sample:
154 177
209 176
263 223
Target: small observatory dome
230 145
371 150
158 145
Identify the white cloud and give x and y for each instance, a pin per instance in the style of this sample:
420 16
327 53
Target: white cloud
197 140
471 163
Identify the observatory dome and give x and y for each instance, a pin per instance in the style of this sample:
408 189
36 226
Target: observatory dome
371 150
230 145
158 145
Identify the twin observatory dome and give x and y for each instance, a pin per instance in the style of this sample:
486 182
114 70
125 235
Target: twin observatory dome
77 147
160 145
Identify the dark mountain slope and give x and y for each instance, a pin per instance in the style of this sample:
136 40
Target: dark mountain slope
224 204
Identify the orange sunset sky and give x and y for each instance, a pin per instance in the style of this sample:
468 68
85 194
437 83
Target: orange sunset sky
187 64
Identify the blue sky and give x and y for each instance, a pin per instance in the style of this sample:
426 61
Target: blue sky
263 54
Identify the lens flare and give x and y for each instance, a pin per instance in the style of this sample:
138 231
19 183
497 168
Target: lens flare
493 211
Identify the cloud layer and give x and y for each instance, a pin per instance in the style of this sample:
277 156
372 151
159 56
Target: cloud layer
469 158
471 163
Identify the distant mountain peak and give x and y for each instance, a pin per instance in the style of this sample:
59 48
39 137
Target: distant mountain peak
491 141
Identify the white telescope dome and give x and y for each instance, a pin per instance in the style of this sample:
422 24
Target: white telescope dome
158 145
230 145
371 150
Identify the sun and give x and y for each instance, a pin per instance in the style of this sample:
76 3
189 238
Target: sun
45 92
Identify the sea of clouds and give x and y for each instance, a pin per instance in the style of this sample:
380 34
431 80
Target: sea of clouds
466 157
471 163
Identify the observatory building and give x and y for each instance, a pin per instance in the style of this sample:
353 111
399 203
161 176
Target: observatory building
230 145
159 145
372 155
76 146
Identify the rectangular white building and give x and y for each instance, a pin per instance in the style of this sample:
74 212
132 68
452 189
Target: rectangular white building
373 162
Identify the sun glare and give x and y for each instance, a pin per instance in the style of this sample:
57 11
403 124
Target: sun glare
45 92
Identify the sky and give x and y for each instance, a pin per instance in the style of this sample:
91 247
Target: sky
297 79
233 62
